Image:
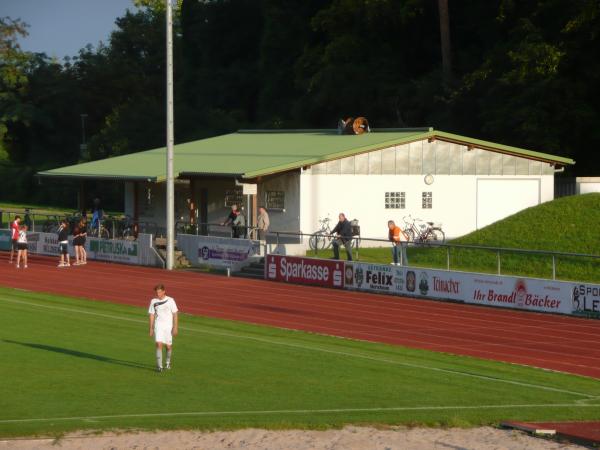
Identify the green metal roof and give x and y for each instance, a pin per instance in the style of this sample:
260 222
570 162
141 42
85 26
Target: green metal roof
253 153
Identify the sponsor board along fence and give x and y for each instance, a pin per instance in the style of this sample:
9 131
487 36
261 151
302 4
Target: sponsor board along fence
473 288
218 252
125 251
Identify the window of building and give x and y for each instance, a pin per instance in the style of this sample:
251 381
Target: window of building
275 200
427 200
234 197
395 200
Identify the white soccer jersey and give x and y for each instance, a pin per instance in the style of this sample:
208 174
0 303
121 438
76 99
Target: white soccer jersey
163 311
22 237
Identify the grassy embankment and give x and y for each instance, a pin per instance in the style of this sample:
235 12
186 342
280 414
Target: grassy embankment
568 224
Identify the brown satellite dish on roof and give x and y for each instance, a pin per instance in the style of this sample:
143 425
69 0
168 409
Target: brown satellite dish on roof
361 125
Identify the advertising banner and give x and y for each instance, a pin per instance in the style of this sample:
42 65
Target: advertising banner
374 277
522 293
5 241
293 269
586 298
122 251
493 290
225 252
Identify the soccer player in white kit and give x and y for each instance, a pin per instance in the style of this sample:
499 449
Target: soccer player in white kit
163 324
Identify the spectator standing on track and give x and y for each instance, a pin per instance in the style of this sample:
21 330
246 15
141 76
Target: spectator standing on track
399 241
343 229
263 223
22 247
63 242
163 319
79 235
14 237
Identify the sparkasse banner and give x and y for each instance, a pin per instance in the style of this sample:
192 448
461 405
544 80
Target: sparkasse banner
294 269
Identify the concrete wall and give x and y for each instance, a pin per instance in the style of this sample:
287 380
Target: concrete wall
586 185
287 219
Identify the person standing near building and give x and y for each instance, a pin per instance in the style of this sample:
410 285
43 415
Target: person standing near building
263 223
239 225
22 247
343 229
399 241
63 243
231 219
163 323
14 237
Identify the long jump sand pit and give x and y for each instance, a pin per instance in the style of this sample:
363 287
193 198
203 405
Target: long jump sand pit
349 438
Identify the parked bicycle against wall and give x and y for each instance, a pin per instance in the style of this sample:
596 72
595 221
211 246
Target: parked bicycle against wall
323 238
420 231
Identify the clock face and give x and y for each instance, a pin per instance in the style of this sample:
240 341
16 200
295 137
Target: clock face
428 179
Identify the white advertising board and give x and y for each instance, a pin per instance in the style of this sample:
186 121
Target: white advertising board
493 290
224 252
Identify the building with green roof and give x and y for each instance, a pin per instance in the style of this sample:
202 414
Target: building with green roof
301 176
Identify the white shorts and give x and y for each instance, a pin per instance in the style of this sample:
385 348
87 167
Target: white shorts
162 334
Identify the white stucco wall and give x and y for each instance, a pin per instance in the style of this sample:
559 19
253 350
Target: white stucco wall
586 185
362 197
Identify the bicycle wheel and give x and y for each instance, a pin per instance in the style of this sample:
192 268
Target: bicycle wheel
440 235
437 236
318 241
410 235
104 234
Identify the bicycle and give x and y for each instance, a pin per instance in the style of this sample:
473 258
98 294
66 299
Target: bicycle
321 239
98 229
420 231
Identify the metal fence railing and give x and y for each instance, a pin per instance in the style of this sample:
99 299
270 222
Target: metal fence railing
445 249
449 255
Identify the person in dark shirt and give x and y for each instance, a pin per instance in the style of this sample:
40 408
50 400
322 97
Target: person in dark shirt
231 220
63 243
344 237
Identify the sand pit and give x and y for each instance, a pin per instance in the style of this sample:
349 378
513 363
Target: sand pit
349 438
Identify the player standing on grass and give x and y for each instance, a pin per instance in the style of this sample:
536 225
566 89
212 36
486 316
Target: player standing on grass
163 324
14 228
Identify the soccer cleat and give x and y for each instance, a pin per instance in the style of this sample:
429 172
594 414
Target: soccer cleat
18 267
168 366
159 369
25 266
61 265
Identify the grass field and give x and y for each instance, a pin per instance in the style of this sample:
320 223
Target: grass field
567 224
71 364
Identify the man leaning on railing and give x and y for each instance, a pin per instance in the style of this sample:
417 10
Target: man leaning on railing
344 237
399 241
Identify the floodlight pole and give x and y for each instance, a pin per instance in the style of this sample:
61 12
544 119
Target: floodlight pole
170 140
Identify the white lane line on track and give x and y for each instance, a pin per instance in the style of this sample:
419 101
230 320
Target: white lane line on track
303 411
319 349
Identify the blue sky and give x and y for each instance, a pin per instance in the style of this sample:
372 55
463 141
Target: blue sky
61 27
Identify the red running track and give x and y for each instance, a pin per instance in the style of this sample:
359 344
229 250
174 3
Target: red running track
562 343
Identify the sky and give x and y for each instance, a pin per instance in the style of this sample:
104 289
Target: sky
60 28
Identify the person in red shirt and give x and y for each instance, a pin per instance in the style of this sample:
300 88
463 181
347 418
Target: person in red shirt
14 228
399 242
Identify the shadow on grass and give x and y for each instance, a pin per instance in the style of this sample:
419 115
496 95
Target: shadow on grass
78 354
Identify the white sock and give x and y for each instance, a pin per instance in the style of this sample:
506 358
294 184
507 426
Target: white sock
159 358
169 357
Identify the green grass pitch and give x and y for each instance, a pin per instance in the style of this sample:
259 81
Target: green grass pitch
71 364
